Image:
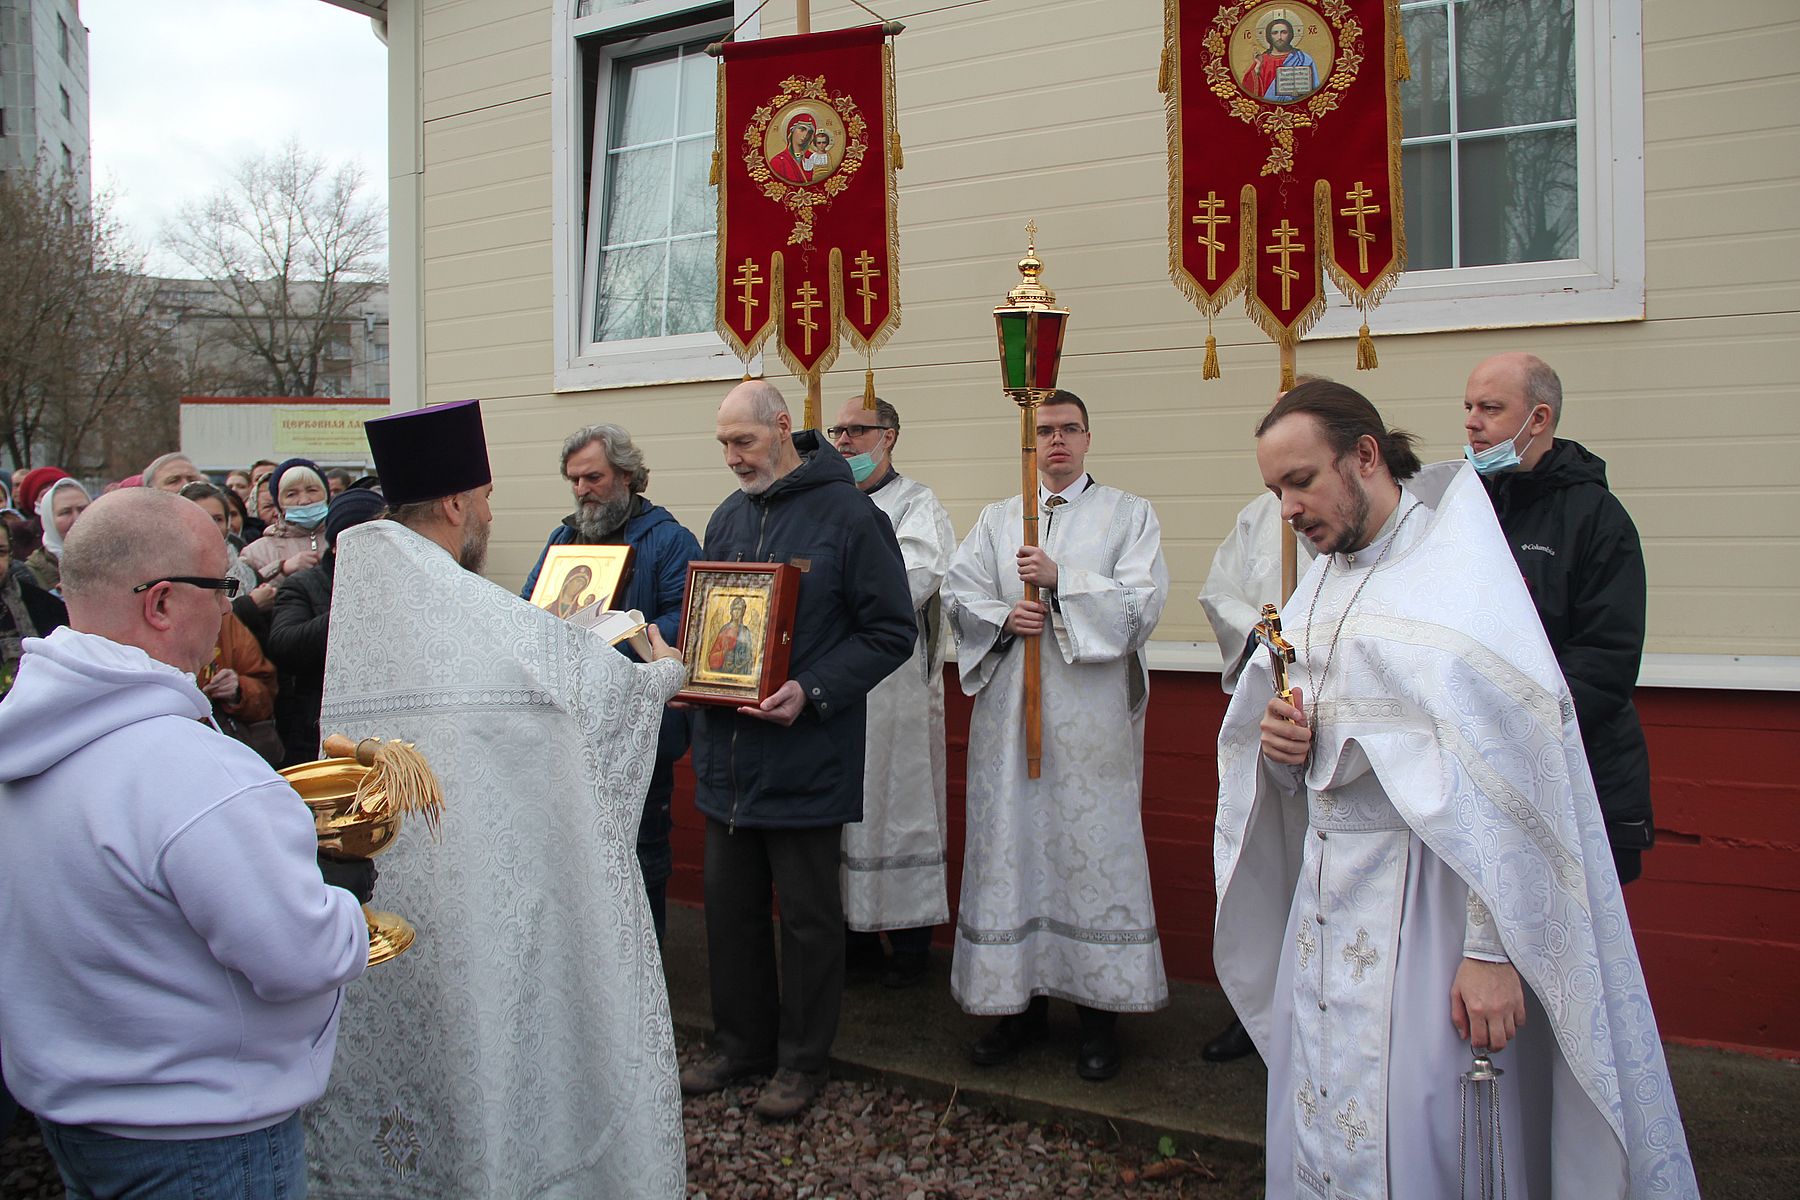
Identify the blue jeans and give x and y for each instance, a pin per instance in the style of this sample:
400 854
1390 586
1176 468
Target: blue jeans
267 1164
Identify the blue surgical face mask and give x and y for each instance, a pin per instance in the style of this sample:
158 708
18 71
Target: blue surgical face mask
1501 456
862 465
306 516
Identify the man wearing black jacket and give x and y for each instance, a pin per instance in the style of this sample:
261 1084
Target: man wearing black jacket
1579 552
778 781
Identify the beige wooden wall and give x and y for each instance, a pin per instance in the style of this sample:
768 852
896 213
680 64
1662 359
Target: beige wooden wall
1017 108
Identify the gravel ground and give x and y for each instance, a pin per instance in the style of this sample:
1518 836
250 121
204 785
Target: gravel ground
859 1141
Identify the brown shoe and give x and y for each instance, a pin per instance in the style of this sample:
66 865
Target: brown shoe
788 1094
714 1073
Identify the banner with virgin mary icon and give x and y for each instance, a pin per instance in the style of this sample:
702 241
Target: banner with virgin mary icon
808 232
1284 156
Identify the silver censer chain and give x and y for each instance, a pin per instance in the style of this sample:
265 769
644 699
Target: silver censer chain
1481 1109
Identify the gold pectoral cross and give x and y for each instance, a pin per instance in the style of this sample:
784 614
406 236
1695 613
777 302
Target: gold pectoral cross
865 271
1361 209
806 301
1286 248
747 278
1281 651
1212 216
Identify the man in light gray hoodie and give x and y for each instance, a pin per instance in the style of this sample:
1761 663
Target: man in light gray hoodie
173 960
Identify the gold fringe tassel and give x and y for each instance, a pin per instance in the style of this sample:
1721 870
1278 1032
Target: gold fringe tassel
894 151
1402 64
869 389
1210 368
718 168
1287 376
1365 351
1162 74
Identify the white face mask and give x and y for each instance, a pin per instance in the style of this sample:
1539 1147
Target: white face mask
1501 456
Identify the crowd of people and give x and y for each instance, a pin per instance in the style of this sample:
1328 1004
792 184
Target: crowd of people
1420 846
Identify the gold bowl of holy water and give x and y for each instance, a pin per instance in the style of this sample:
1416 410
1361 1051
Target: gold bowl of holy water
355 816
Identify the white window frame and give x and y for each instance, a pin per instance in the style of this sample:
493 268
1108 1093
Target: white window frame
1605 281
581 364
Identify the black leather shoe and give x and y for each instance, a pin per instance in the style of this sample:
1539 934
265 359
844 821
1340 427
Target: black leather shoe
1011 1034
1233 1042
1099 1058
904 970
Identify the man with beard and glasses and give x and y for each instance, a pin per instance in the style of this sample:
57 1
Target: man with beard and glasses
606 471
1410 856
544 1059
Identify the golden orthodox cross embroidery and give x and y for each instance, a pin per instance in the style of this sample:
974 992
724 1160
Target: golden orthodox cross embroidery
865 271
1212 217
806 302
1285 249
747 278
1360 208
1309 1103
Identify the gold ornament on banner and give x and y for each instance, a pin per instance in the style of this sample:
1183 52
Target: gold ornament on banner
823 140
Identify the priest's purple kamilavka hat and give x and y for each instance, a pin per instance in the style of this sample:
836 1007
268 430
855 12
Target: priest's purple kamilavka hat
430 452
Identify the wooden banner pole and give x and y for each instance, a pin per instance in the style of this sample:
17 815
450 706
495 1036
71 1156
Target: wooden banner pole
1290 565
815 385
1029 646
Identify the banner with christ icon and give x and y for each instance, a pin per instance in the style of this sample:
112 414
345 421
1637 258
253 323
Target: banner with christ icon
1284 157
809 246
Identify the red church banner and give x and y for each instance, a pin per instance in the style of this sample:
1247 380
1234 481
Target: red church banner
808 234
1284 157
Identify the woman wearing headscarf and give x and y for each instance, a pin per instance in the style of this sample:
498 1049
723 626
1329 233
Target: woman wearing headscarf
26 610
57 508
294 542
298 630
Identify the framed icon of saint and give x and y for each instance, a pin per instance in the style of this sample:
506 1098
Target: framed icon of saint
737 625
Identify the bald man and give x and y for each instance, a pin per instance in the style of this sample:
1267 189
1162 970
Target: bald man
1579 552
174 958
778 781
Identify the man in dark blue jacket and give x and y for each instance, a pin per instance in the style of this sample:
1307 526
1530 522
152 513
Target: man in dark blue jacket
606 471
1580 555
778 781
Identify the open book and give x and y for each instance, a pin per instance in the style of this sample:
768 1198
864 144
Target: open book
615 626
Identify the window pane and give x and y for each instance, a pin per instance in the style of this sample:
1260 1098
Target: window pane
1515 62
1425 99
1519 198
637 195
693 275
645 100
631 290
588 8
1425 176
696 200
699 93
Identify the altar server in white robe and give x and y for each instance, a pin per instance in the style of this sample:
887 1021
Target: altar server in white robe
893 859
1410 856
522 1047
1056 883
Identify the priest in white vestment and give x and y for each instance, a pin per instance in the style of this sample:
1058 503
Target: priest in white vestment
893 859
1410 856
1056 883
522 1047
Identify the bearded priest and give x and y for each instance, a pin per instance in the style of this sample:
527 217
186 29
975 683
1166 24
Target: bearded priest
1410 855
522 1046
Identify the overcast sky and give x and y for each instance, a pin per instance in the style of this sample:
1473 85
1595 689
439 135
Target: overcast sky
182 90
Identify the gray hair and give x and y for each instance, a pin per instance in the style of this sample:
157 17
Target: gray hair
767 404
200 489
1542 386
161 461
621 452
889 416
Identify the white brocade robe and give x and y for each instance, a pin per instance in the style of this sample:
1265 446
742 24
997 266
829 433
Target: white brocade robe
893 859
1056 883
522 1047
1245 575
1447 810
